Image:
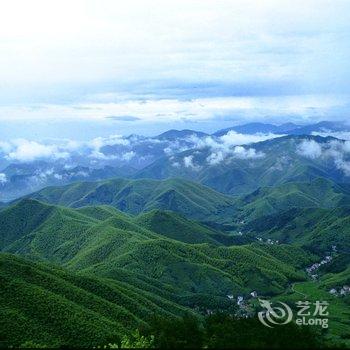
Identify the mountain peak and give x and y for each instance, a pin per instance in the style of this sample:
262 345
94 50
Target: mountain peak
173 134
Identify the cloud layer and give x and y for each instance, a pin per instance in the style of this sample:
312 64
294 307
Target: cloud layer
336 151
131 62
116 148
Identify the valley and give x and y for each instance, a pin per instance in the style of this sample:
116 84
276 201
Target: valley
88 262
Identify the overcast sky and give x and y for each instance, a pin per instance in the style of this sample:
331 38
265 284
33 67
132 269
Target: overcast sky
144 66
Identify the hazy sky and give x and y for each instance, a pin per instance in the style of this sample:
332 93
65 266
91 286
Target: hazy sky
143 66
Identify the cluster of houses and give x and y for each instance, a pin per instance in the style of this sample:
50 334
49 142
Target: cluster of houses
314 267
240 299
268 241
244 309
345 290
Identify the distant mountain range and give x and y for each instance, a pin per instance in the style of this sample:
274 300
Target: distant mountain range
157 201
263 128
189 234
139 156
179 134
243 169
137 196
287 128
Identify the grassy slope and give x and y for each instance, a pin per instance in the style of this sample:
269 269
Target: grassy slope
316 228
175 226
52 306
207 269
149 257
136 196
196 201
117 241
320 192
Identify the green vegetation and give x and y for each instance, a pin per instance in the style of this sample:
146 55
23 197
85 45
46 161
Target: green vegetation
315 228
280 164
140 263
49 305
117 241
137 196
339 312
175 226
319 193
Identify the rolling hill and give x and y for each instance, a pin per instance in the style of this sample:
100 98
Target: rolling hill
85 263
108 241
136 196
318 193
286 128
264 164
54 307
180 134
113 270
175 226
316 228
196 201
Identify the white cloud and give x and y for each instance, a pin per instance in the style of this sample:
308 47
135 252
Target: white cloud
336 150
233 138
189 163
96 154
27 151
45 174
177 146
224 148
112 140
165 110
80 173
3 178
128 155
339 151
216 157
343 165
229 153
310 149
246 153
341 135
223 40
94 146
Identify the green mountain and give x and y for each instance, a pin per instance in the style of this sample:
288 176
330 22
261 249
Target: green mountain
105 243
318 193
52 306
316 228
215 271
337 280
137 196
124 250
275 162
196 201
177 227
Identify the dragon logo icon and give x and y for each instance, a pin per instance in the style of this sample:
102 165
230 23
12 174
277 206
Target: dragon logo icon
274 315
